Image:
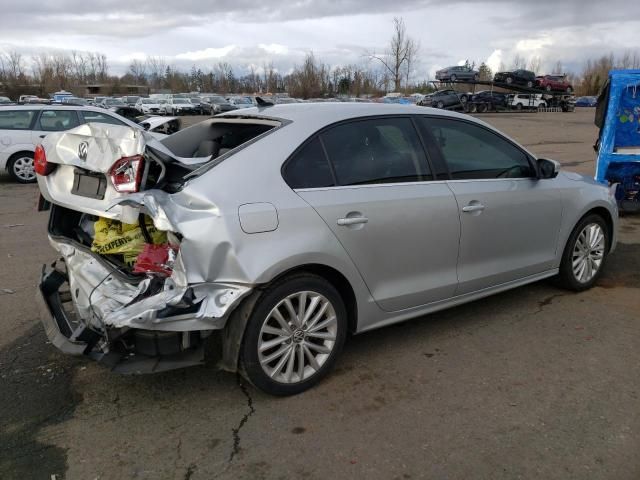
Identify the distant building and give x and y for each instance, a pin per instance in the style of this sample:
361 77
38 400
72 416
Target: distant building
106 89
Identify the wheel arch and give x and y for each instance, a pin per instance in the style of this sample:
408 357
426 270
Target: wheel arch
232 335
606 216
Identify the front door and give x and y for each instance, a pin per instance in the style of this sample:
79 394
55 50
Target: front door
510 220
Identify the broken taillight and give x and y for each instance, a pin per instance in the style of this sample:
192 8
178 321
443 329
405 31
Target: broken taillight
126 173
40 164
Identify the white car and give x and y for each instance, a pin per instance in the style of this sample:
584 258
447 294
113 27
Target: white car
22 128
180 106
151 106
241 102
527 101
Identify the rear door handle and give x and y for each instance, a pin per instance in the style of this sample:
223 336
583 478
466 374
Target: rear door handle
473 208
352 221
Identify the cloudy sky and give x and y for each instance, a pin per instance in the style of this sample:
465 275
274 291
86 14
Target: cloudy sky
246 33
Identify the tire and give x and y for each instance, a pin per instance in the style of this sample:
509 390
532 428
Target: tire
453 78
482 108
440 104
293 370
20 167
569 89
473 108
519 106
463 99
570 277
509 80
529 84
476 78
548 88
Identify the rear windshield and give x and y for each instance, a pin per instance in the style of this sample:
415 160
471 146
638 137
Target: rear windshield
217 139
16 119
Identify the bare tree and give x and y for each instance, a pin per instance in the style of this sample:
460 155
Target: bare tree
518 62
138 70
157 66
535 63
401 51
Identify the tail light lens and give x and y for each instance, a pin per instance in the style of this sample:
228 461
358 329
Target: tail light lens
126 173
40 164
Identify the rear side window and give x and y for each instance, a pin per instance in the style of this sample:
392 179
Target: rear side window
385 150
97 117
58 120
309 167
16 119
473 152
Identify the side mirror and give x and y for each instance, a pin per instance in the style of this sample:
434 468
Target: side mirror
548 168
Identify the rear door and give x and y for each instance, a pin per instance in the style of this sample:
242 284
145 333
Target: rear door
371 183
510 220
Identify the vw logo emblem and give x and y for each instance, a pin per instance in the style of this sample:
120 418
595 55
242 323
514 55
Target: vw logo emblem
83 150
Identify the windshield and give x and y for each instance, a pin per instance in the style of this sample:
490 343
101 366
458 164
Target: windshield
181 101
217 100
113 101
242 101
148 101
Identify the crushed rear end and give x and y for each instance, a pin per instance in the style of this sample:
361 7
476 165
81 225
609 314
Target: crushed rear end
123 288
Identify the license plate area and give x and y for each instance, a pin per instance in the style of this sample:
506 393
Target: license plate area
89 184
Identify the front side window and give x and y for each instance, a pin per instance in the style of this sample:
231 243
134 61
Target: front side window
16 119
98 117
58 120
474 152
385 150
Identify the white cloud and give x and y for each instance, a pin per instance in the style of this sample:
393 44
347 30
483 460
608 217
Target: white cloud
274 48
207 53
494 60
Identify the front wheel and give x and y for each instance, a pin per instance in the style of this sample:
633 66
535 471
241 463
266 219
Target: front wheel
585 254
440 104
294 334
453 78
529 84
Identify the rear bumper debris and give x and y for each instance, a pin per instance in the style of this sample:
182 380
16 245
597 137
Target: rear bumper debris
89 308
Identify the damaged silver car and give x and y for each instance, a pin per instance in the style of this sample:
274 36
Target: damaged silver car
267 235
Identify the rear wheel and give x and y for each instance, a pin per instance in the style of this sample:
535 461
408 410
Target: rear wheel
529 84
548 88
294 334
585 254
440 104
509 80
453 78
20 167
476 78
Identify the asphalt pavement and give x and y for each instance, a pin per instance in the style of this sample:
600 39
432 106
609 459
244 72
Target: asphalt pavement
534 383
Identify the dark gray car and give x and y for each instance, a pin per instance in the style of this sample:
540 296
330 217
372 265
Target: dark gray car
444 99
457 73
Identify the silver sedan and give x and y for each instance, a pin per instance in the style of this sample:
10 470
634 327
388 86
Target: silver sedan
273 233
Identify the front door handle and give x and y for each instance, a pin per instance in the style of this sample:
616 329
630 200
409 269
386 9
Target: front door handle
343 222
473 208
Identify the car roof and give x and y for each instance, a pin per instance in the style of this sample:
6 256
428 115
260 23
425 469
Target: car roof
318 115
55 106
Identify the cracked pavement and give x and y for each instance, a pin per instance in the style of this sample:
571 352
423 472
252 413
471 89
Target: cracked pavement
531 383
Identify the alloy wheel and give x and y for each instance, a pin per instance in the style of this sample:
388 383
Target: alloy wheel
588 253
297 337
